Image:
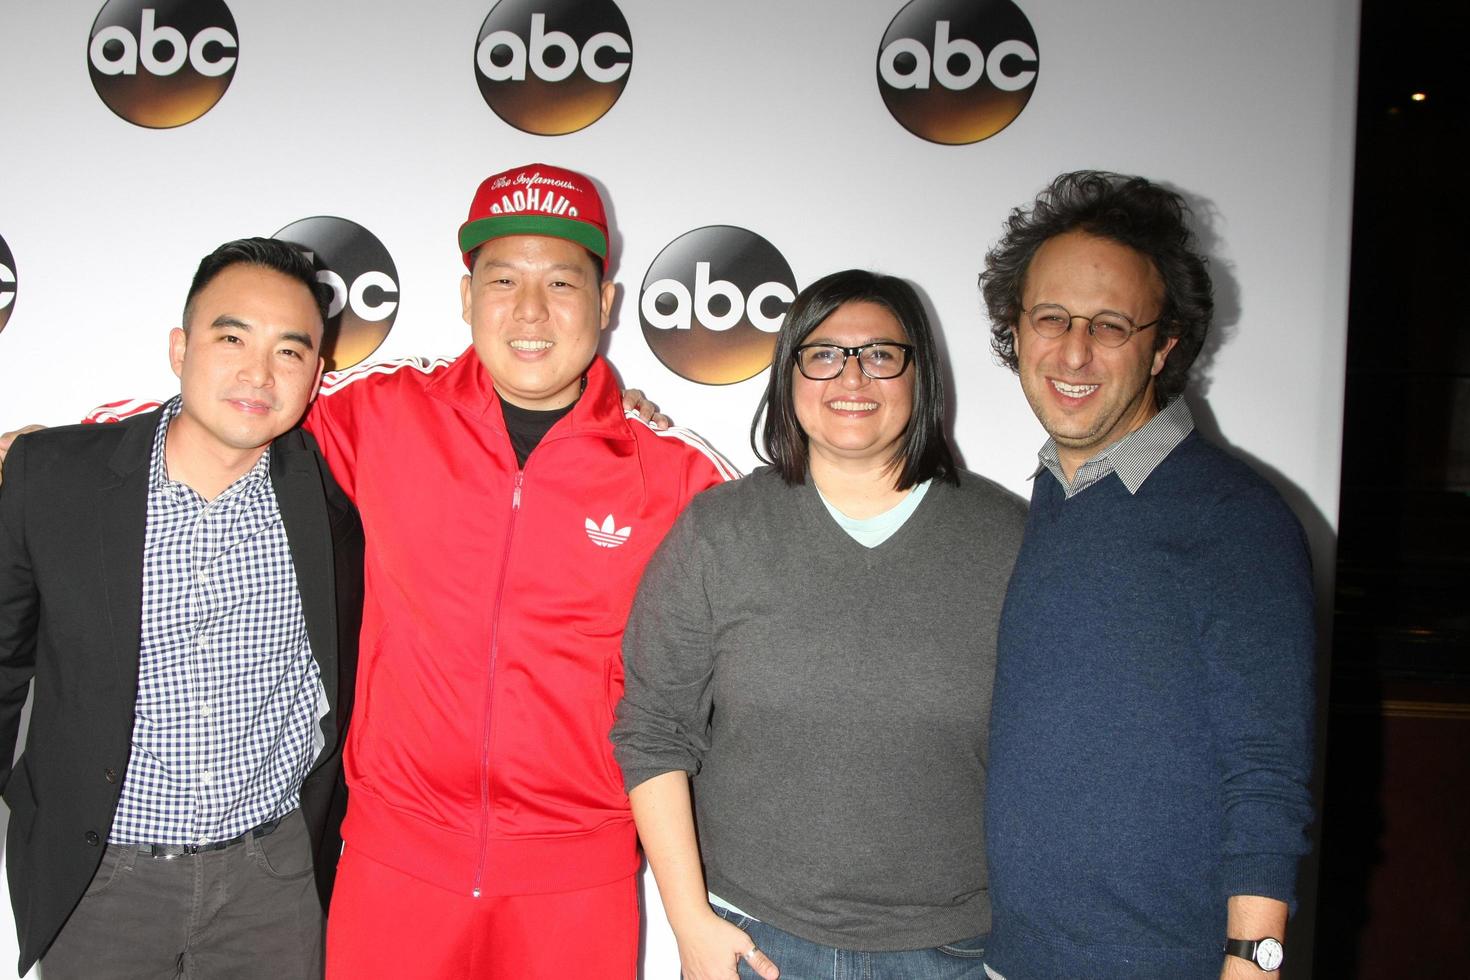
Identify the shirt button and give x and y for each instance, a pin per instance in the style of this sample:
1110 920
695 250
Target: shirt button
110 775
92 838
205 778
203 577
204 711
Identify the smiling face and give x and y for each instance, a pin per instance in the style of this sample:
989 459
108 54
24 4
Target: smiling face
853 418
249 364
1087 396
535 307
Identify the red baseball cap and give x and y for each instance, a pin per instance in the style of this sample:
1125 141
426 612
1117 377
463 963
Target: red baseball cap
536 199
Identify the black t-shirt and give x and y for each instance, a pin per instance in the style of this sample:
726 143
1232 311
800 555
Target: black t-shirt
528 427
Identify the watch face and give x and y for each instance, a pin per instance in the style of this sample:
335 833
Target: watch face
1269 955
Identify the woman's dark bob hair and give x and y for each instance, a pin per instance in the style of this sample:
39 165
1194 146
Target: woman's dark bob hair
1131 211
924 452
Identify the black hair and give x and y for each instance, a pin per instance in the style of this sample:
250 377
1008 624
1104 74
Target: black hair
924 452
1133 212
269 253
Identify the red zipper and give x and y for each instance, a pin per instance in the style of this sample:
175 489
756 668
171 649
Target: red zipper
515 508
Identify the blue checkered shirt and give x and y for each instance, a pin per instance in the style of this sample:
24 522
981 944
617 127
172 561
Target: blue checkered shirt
229 696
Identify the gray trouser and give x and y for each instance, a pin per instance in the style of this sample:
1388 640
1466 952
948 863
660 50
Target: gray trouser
248 911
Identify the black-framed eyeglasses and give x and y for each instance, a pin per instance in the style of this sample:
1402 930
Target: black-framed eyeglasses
880 360
1107 328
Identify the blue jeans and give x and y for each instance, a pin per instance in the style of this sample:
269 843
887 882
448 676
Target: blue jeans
802 960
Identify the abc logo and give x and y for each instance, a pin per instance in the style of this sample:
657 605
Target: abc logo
162 63
551 67
7 283
957 71
712 302
364 283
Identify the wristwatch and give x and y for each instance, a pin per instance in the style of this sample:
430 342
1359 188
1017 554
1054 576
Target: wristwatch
1264 953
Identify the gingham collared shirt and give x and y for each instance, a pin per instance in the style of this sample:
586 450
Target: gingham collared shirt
1132 457
229 695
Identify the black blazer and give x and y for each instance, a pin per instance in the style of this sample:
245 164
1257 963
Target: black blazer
73 504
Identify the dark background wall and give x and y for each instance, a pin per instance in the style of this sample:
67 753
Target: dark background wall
1395 871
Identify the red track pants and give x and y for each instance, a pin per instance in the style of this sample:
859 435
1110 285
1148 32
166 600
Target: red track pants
389 925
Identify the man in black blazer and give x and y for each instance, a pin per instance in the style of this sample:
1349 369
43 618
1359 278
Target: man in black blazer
185 590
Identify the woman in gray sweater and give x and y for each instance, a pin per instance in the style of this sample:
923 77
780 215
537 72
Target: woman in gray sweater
813 648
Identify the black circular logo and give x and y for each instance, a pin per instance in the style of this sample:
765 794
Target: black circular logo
551 67
8 284
957 71
162 63
712 302
364 283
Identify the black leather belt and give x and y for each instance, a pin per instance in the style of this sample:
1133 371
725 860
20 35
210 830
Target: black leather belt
179 850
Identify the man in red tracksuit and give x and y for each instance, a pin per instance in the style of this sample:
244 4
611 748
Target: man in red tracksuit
509 505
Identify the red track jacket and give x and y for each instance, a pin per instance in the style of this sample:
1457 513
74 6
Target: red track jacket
478 757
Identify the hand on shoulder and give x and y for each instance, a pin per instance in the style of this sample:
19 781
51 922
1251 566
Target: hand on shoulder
9 438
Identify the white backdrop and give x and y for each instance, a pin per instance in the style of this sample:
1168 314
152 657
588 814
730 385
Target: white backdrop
765 115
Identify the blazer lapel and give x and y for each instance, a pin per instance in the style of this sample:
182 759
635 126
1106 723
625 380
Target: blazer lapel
122 514
298 485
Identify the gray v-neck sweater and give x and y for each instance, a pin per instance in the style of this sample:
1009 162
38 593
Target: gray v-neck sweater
831 702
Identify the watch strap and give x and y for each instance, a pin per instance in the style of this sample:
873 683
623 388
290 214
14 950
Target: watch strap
1249 949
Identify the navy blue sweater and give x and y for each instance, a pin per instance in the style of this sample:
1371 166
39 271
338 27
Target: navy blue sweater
1151 731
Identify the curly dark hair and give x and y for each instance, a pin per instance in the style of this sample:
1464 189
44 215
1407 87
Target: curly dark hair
1128 210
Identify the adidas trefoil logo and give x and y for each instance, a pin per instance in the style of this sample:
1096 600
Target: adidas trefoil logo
609 535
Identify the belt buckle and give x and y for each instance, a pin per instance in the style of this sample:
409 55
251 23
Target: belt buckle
167 852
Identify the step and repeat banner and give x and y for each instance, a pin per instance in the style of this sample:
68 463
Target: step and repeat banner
744 150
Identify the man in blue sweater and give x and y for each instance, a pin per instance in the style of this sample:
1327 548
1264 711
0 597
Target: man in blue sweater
1151 732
